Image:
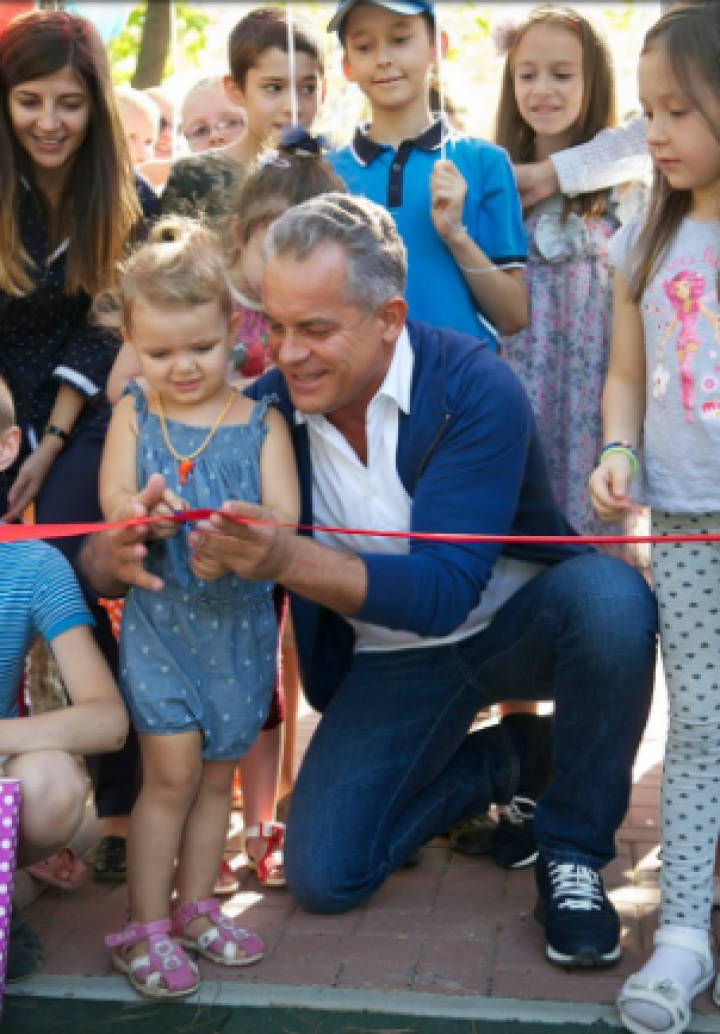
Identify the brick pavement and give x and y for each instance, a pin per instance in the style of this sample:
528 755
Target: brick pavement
451 926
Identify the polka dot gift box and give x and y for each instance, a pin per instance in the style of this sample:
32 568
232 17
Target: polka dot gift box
9 818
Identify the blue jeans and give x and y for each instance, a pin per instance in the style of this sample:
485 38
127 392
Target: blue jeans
392 763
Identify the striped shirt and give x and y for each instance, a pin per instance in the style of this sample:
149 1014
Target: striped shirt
39 596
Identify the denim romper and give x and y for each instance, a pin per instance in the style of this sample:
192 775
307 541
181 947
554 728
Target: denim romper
199 655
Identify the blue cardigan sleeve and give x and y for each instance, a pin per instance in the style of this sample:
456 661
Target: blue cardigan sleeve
471 484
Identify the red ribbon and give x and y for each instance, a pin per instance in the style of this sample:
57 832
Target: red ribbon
25 532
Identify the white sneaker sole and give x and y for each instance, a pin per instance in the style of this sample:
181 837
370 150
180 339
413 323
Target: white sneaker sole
584 959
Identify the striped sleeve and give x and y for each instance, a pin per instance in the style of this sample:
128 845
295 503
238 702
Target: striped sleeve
57 603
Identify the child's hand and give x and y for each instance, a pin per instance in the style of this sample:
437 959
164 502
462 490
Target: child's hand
610 486
205 567
169 504
448 189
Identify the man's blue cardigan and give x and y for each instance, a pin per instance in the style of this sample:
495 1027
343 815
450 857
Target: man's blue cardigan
470 458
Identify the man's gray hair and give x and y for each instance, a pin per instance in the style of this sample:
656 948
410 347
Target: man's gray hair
376 266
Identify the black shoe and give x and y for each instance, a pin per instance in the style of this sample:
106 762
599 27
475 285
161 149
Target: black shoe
514 845
581 924
110 865
474 836
25 950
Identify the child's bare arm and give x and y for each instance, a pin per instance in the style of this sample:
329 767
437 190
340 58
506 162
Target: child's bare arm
96 723
118 470
125 367
623 405
280 490
500 293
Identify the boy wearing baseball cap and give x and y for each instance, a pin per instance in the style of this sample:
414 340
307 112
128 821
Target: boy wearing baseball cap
460 218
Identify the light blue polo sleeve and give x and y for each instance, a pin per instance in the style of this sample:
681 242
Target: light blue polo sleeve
493 214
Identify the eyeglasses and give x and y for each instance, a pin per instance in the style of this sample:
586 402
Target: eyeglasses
204 132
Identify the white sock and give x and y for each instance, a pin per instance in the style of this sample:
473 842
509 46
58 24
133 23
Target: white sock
679 964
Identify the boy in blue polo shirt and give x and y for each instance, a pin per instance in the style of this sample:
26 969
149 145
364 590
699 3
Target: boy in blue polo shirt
460 218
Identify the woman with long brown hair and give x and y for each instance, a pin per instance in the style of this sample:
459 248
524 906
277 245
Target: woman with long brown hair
69 201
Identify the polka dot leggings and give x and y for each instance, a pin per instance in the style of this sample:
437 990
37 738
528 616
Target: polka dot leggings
686 578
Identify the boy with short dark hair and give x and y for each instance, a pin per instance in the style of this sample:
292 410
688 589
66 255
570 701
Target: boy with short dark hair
460 218
39 596
260 84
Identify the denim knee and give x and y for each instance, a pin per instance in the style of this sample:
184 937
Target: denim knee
614 597
307 872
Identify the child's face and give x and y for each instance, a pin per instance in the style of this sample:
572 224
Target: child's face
166 129
267 95
141 133
183 354
9 447
548 77
209 119
680 140
251 264
388 55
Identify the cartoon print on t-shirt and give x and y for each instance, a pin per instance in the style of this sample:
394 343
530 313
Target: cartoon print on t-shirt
684 292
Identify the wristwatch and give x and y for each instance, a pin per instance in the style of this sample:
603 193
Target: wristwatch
58 433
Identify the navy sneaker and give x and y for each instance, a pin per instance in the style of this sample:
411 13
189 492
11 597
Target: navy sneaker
514 845
581 925
473 836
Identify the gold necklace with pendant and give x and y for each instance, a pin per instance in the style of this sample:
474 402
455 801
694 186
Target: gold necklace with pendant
185 463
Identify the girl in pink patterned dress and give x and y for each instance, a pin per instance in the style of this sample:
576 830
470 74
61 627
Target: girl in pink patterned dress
558 91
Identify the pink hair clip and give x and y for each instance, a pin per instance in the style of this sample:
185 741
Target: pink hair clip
503 34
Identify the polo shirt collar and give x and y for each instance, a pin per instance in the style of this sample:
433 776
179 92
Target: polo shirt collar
365 150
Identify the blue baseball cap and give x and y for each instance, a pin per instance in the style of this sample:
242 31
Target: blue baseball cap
409 8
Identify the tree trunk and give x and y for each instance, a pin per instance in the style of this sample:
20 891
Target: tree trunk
154 45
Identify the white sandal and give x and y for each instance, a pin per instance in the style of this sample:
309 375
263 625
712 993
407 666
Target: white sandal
667 994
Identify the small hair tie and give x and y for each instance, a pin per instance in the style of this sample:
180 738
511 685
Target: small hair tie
503 34
297 141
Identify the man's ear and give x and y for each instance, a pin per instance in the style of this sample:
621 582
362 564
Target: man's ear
393 314
9 447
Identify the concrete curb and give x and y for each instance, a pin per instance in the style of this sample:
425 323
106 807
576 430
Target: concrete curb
420 1006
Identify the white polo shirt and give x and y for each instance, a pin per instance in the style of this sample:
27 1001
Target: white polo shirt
350 494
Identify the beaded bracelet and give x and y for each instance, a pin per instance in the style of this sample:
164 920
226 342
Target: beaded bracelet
624 449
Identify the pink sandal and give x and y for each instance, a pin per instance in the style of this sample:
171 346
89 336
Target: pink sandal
165 971
224 942
270 865
64 860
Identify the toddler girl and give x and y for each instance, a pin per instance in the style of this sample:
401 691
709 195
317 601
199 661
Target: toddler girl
198 660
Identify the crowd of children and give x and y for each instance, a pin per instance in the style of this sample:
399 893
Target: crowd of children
548 292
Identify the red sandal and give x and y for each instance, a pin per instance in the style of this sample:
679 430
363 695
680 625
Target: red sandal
165 971
270 866
224 942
